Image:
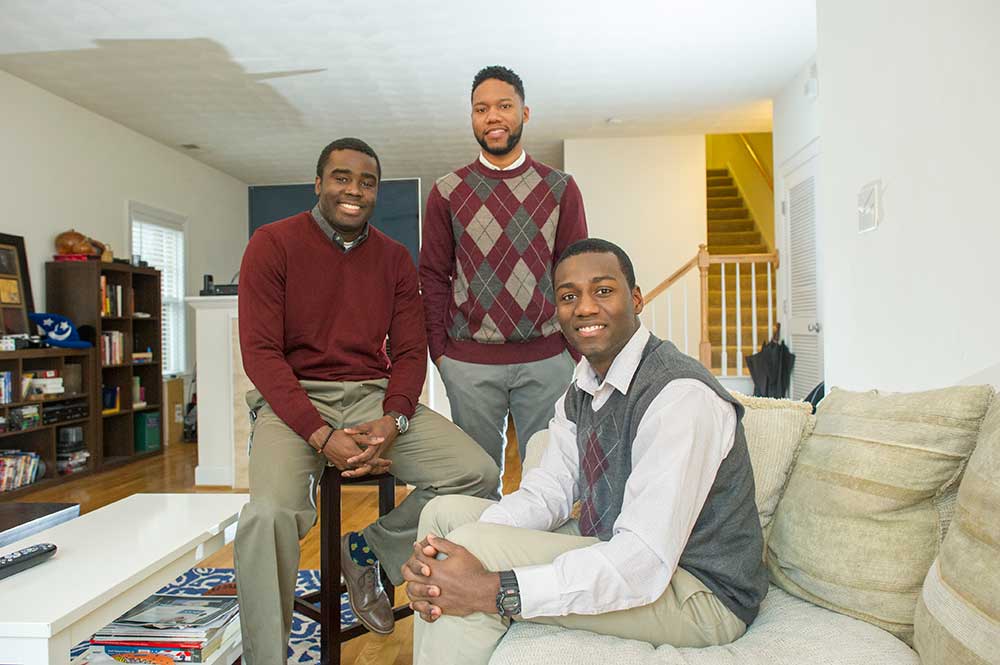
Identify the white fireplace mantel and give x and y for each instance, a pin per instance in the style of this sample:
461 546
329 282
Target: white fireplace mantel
223 426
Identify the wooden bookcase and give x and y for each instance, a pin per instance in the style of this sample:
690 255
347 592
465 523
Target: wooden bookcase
73 289
42 439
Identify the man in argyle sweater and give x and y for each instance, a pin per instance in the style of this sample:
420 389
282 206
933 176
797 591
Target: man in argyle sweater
492 233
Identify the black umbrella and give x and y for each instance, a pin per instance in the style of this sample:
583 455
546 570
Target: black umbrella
771 367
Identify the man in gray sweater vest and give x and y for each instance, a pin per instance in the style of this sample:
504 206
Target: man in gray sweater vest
668 546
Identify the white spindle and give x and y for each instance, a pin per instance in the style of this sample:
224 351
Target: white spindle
670 317
739 325
725 352
753 298
685 316
770 303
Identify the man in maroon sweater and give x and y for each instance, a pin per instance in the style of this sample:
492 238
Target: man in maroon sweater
320 293
492 233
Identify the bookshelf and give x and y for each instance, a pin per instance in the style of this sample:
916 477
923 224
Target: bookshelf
117 307
76 407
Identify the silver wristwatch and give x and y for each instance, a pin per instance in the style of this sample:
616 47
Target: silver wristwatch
509 595
401 421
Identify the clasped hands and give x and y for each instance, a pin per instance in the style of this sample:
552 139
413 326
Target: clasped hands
457 585
359 450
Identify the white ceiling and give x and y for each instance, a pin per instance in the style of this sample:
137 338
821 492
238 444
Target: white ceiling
262 85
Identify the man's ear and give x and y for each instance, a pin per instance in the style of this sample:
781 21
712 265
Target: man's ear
318 187
637 300
526 114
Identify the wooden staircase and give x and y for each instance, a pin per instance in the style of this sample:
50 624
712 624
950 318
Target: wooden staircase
733 231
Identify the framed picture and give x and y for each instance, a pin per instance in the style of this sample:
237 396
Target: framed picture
16 301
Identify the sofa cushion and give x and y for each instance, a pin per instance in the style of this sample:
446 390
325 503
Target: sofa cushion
775 428
870 498
958 613
788 631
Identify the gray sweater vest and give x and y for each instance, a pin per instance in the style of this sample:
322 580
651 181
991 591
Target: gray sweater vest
726 545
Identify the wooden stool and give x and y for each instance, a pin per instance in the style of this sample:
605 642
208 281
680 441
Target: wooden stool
331 588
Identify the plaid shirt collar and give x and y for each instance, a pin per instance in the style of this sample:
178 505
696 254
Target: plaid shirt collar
332 234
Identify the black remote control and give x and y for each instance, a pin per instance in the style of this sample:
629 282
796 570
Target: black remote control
20 560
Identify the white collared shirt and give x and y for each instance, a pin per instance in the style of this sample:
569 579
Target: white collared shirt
490 165
683 437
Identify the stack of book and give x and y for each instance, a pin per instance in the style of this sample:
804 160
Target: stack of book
18 469
23 417
112 348
188 629
142 357
111 298
41 383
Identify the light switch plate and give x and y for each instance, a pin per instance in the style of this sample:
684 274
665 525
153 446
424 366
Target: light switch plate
870 206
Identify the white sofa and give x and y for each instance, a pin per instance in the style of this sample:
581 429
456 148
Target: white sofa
856 438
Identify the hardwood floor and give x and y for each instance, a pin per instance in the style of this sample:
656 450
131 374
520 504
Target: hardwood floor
173 472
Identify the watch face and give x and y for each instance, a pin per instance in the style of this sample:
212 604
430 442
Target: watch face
511 604
402 423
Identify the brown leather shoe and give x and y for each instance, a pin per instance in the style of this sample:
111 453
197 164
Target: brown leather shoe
364 590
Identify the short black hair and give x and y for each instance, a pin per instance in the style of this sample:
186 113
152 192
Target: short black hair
347 143
499 73
599 246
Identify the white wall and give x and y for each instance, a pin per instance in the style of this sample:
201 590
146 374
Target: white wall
648 196
64 166
796 117
908 95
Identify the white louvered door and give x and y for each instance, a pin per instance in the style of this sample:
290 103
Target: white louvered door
805 334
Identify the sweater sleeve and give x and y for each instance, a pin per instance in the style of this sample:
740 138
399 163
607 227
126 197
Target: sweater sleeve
407 342
572 227
572 219
437 264
262 335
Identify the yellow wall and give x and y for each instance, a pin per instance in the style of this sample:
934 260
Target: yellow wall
728 151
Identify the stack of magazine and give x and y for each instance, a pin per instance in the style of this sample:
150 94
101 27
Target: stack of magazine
187 629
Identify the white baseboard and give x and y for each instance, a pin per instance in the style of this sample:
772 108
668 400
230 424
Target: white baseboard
213 475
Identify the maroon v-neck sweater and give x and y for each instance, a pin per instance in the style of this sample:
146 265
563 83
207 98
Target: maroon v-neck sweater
310 310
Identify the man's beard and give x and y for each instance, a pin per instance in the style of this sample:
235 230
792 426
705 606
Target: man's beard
512 140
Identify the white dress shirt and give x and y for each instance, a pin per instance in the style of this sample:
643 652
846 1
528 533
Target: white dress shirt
517 162
683 437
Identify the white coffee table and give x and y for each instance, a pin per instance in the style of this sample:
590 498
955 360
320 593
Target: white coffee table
107 562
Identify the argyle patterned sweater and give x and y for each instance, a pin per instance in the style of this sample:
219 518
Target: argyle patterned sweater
490 240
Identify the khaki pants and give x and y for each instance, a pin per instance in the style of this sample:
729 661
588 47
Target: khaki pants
686 615
434 456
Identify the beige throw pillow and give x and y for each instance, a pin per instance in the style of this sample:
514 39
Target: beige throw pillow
870 498
958 613
774 429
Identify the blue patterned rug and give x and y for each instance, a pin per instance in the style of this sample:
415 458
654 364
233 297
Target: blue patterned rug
303 645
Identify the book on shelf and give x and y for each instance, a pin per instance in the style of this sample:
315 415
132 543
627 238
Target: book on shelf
6 387
19 468
142 357
111 399
111 298
112 348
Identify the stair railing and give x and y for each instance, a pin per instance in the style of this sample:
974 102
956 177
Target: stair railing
676 282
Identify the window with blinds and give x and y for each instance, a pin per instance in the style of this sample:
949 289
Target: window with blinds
158 239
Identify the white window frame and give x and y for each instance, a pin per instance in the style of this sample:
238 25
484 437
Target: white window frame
146 214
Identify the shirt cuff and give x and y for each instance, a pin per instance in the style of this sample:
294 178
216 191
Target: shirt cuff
399 404
540 593
497 514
